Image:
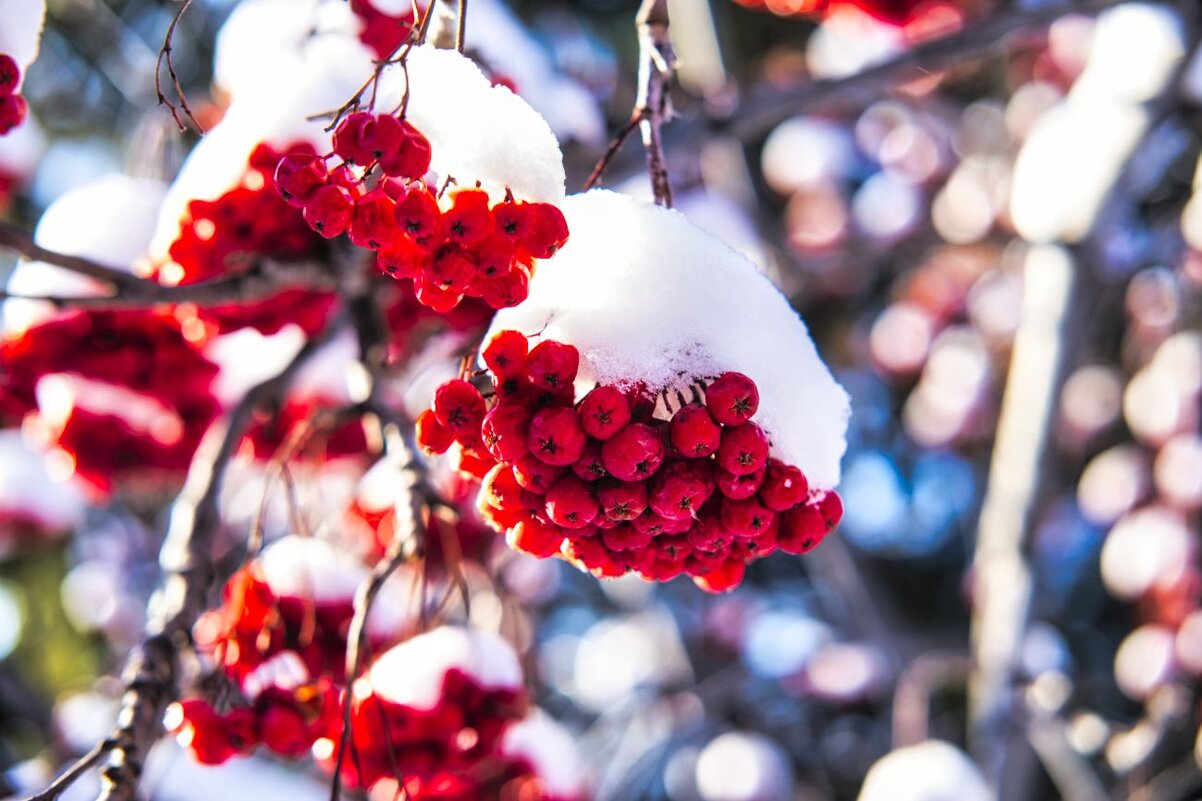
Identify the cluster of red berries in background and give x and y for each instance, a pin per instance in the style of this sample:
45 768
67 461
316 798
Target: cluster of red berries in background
383 33
141 352
287 656
892 12
470 249
13 108
614 489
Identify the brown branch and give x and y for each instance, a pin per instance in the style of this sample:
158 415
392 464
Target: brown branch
73 773
20 241
152 672
652 106
165 58
461 27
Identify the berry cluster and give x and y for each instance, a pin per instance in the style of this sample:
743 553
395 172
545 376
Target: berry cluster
469 249
13 108
140 359
891 12
614 489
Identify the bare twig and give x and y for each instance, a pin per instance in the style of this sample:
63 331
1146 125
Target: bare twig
652 107
165 58
461 26
20 241
73 773
152 672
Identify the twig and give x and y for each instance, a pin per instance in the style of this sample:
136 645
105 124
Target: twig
73 773
20 241
151 676
652 107
165 57
461 28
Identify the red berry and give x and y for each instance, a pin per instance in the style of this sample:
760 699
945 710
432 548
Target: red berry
544 230
471 462
502 490
744 449
374 224
634 453
383 137
10 75
504 432
555 435
736 486
553 365
432 436
435 296
536 538
450 269
732 399
349 138
570 503
678 491
505 291
411 159
693 432
622 501
242 726
624 537
746 518
708 535
329 210
723 579
831 509
460 408
784 486
417 214
505 353
202 731
13 110
284 731
298 176
801 530
468 220
534 474
494 258
400 258
590 466
604 412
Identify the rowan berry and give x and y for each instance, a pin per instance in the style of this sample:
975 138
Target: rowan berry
732 399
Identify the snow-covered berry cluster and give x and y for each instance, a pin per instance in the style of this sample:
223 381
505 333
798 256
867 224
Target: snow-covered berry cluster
452 245
13 108
616 486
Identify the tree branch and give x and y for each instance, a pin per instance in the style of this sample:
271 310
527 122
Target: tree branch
20 241
152 672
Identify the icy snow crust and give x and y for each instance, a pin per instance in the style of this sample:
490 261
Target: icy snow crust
21 31
647 296
550 751
411 674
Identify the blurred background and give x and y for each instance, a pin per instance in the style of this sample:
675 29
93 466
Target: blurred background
996 243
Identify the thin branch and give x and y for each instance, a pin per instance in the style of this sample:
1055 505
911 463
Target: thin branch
461 29
20 241
73 773
152 673
652 106
165 58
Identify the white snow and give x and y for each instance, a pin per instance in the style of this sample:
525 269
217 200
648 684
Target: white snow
411 674
109 220
396 608
929 771
308 567
27 486
477 131
647 296
285 670
741 766
263 41
550 750
21 149
21 33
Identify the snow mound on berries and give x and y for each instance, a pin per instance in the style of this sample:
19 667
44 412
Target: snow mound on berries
333 69
548 748
28 491
477 131
929 771
411 674
21 33
647 296
307 567
263 40
109 220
